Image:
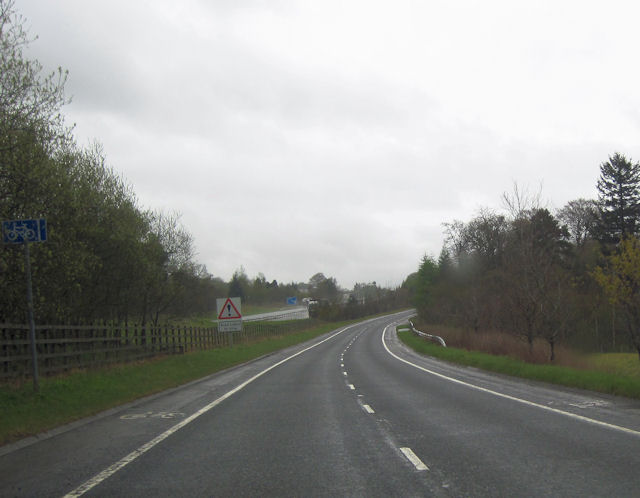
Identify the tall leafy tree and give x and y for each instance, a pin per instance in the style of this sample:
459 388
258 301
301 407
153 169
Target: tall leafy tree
239 284
29 100
322 287
535 275
581 217
424 284
32 182
619 196
620 280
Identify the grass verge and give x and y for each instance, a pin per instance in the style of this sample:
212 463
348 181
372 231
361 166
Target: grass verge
625 364
80 394
605 382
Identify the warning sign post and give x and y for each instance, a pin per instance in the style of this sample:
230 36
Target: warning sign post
229 314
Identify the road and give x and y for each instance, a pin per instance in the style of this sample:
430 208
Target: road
289 313
353 413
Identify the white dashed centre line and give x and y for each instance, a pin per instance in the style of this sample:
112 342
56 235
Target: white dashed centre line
368 409
413 458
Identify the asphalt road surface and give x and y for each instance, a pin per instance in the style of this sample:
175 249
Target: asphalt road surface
352 413
289 313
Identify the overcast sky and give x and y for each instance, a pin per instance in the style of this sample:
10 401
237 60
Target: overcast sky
298 137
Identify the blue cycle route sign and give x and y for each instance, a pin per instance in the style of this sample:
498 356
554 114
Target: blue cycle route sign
22 231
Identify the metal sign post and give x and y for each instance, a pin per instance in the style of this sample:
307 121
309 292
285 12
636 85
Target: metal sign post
24 232
32 322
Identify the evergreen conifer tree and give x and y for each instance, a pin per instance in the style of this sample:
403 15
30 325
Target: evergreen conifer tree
619 197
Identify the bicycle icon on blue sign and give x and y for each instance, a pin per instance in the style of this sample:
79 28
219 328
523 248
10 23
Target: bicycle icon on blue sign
22 231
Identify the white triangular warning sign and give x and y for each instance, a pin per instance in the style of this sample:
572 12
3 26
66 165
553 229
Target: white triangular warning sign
229 311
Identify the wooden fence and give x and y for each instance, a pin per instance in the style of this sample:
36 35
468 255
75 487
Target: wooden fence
61 348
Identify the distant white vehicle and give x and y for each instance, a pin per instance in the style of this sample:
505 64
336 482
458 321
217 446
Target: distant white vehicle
307 301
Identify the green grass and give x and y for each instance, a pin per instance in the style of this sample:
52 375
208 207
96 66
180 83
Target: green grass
625 364
199 321
250 309
81 394
620 383
211 319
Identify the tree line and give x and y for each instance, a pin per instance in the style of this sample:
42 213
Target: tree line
328 300
572 275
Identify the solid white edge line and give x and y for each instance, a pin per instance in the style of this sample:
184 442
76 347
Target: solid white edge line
109 471
413 458
512 398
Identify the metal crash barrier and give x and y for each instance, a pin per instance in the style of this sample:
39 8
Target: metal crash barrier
434 338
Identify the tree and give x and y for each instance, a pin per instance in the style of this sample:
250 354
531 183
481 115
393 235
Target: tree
619 197
366 293
535 275
468 277
169 271
581 217
259 289
425 281
239 284
28 101
322 287
620 281
486 237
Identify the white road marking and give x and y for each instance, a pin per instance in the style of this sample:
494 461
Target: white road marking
589 404
108 472
368 409
133 416
512 398
413 458
344 373
352 387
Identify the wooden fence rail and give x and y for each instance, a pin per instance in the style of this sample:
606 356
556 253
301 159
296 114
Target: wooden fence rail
62 348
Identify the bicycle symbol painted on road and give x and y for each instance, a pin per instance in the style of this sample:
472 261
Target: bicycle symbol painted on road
166 415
